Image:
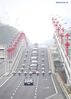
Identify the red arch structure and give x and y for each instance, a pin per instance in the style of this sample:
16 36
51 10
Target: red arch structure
10 50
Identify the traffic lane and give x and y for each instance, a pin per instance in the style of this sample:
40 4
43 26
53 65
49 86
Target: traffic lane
9 86
21 61
45 88
26 92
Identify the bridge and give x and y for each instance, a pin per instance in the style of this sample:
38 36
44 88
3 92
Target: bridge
20 56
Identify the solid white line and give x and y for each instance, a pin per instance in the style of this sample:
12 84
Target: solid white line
51 96
2 76
5 81
54 85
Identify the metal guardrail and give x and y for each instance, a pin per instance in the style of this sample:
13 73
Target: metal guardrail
64 58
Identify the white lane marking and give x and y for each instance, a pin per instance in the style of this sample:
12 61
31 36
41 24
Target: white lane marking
45 79
54 85
5 81
11 97
35 91
2 76
13 94
45 87
16 88
15 91
37 82
51 96
34 96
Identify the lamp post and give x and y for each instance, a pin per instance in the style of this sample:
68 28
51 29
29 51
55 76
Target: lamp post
67 44
67 36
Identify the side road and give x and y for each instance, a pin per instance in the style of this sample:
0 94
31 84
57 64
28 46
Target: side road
5 77
57 76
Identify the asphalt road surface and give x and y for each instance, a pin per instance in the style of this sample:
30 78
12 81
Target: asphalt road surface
44 87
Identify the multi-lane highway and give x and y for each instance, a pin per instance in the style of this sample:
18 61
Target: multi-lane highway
44 86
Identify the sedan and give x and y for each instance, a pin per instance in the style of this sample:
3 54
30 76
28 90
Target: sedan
14 72
28 81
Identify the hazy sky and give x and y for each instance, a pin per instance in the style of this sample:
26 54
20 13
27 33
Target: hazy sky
33 16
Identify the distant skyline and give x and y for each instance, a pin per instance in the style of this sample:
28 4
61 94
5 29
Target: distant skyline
33 16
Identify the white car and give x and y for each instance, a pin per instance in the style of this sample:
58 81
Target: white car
34 58
19 72
28 81
42 59
50 72
30 73
22 69
33 65
24 59
14 72
42 65
25 73
42 68
34 61
43 72
37 72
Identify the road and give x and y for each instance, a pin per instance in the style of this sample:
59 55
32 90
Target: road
45 87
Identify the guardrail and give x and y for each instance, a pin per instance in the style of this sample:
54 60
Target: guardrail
67 66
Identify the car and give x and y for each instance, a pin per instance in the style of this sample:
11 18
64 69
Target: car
35 48
30 73
42 68
34 71
26 54
43 59
42 65
42 54
43 72
37 72
24 59
49 72
19 73
34 61
23 65
33 65
25 73
28 81
34 58
22 69
14 72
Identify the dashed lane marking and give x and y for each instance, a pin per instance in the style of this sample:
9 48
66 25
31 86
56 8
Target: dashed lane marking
11 97
13 94
45 87
35 97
